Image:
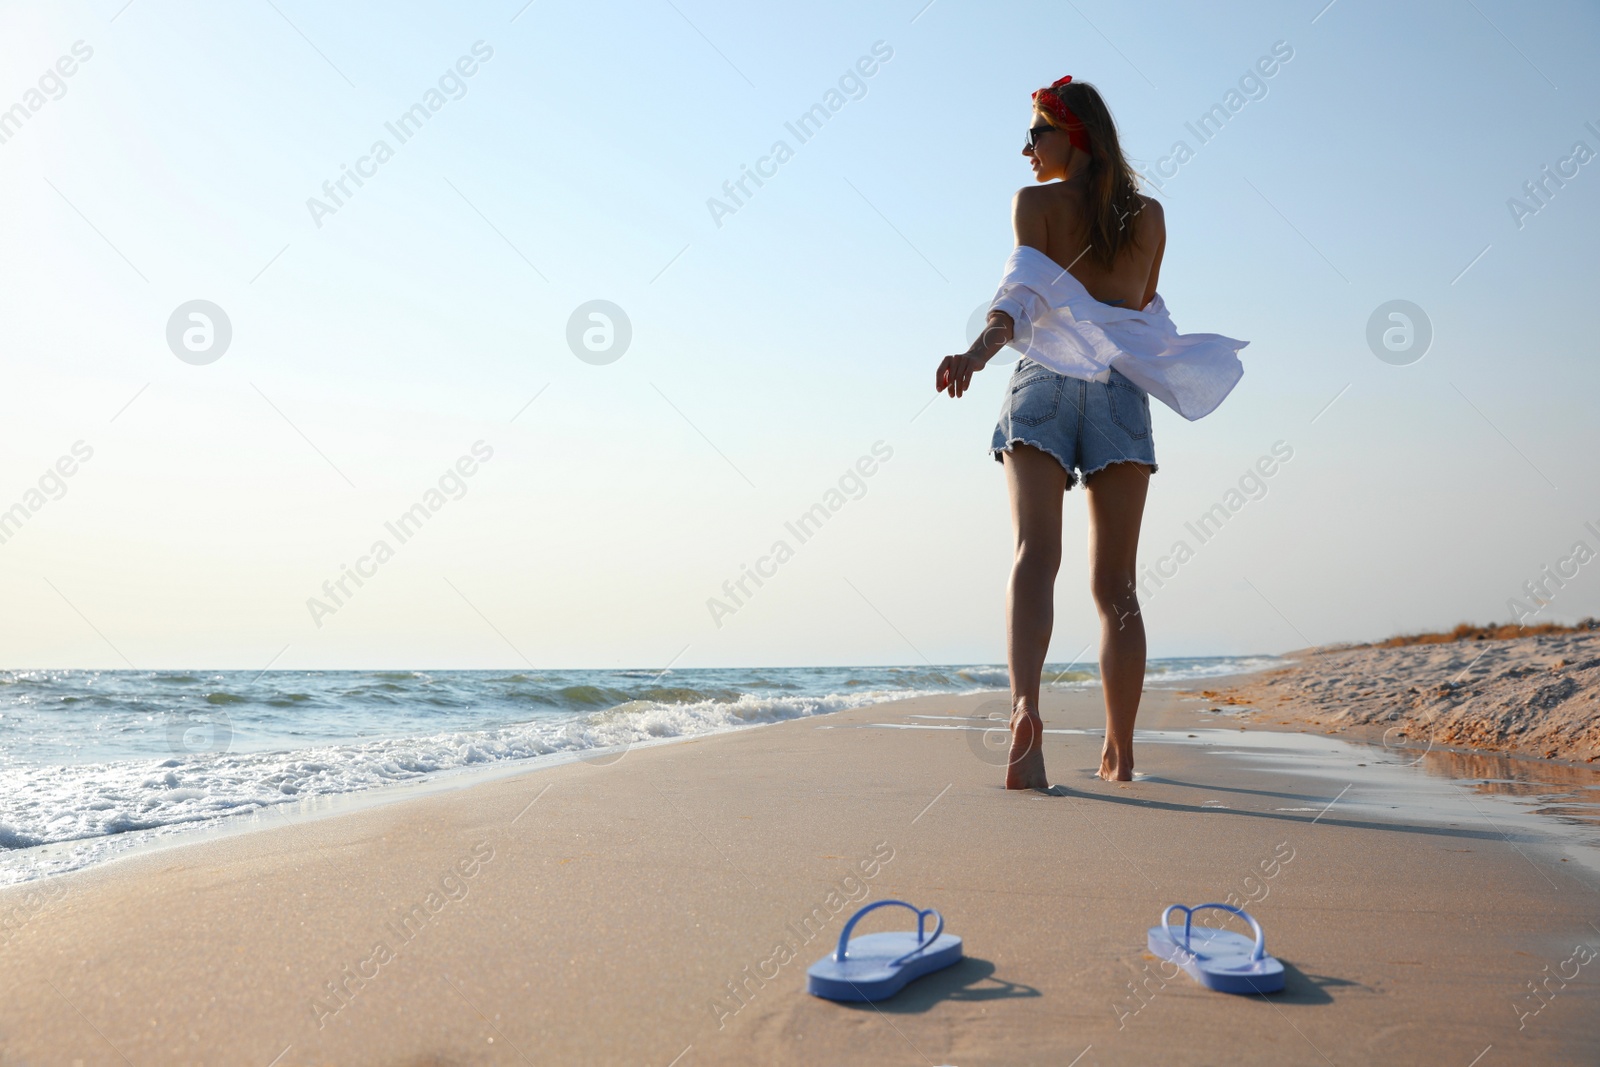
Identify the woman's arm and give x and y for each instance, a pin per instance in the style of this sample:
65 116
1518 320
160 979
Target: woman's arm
996 335
955 372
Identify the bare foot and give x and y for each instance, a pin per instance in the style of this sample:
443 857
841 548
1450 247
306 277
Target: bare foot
1115 766
1025 769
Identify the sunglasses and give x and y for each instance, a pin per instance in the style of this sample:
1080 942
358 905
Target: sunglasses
1035 131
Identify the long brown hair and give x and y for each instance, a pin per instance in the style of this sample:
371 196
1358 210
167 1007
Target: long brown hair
1113 189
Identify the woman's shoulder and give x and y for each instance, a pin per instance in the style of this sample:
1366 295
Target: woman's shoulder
1152 218
1046 193
1033 198
1035 206
1150 208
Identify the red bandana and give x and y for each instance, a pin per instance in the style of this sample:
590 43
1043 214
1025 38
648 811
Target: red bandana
1076 132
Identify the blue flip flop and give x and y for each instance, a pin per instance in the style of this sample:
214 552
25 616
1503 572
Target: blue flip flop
875 966
1218 959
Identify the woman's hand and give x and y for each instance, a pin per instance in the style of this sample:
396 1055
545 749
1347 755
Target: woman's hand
955 372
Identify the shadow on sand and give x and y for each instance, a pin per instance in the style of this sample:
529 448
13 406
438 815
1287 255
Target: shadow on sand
1396 826
968 981
972 980
1302 988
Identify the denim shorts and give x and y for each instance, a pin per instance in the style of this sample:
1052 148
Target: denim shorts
1084 425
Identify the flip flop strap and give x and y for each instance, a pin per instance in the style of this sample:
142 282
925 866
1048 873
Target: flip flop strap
922 915
1258 952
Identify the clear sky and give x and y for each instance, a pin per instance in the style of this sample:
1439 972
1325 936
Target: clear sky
571 153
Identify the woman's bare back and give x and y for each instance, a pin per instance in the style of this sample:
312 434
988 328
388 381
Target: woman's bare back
1052 219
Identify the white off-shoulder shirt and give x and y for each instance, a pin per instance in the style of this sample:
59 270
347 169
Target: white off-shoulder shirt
1059 325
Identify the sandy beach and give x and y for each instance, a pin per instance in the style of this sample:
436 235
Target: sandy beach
1533 696
662 909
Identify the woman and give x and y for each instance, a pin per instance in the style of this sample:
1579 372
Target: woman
1083 283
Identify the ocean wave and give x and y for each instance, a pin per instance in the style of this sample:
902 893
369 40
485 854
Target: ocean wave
988 677
1180 670
92 762
53 804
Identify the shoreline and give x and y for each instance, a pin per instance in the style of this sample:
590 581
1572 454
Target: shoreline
142 842
634 912
1241 692
21 866
1240 697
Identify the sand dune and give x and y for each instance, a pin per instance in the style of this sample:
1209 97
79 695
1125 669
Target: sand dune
1535 696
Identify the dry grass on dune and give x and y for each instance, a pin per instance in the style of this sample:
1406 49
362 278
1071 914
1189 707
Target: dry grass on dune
1493 632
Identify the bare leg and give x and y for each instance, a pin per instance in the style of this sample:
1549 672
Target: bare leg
1036 482
1116 507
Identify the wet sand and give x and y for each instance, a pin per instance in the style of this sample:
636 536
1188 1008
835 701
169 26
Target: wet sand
662 909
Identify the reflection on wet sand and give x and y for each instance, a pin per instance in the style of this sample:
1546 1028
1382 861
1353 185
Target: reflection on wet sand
1569 793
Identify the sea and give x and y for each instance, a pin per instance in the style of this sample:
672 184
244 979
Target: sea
95 763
